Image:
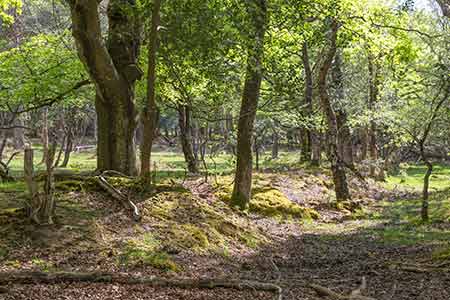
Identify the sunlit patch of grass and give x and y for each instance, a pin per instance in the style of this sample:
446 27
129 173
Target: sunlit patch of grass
411 176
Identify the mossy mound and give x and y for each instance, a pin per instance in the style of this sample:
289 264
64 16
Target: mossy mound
185 222
271 202
267 200
146 252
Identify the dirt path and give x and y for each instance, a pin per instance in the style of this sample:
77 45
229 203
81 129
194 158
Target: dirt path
335 252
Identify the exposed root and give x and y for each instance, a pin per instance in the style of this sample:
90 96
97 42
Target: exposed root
27 277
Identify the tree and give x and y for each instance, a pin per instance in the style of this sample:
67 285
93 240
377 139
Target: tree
149 114
113 69
257 11
337 164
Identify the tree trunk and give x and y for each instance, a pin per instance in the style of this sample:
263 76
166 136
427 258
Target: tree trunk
150 110
345 146
337 165
113 69
68 148
275 144
307 152
44 135
184 121
243 178
18 134
374 81
316 149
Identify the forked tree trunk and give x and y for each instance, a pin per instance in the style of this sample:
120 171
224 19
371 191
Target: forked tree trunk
68 148
184 121
337 165
257 11
150 111
113 69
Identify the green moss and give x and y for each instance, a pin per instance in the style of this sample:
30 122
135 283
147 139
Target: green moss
267 200
69 185
271 202
190 236
42 265
146 251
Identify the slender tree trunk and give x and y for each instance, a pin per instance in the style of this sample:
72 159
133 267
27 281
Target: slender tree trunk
345 146
275 144
44 135
243 178
337 165
68 148
184 120
150 111
316 149
112 67
307 152
374 82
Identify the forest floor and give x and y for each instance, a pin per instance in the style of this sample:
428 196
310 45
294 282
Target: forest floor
293 235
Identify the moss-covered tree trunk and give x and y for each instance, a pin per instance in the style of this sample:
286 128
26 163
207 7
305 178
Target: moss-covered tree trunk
149 115
257 11
337 164
112 67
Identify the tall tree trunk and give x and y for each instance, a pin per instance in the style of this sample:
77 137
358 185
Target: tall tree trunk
150 110
307 152
243 178
337 165
374 81
112 67
345 145
184 121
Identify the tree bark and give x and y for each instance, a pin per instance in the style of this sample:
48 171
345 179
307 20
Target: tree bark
307 151
184 121
68 148
275 144
337 165
149 115
243 177
374 81
112 67
345 146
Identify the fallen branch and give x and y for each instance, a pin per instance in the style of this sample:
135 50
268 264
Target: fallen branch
115 193
28 277
354 295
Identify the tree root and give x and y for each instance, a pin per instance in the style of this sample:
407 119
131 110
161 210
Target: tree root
28 277
124 200
354 295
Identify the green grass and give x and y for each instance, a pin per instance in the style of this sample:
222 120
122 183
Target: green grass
411 176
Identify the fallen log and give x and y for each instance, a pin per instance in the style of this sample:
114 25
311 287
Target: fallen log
30 277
